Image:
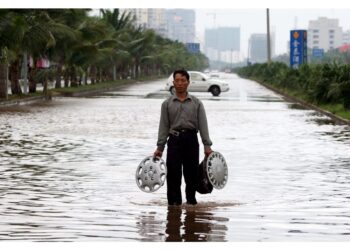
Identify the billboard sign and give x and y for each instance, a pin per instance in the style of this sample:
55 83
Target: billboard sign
298 48
193 48
317 53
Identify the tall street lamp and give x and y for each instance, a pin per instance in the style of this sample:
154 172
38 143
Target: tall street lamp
268 36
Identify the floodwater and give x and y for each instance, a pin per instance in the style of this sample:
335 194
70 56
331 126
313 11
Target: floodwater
67 170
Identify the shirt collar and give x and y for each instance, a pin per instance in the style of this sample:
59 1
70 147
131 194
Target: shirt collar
188 97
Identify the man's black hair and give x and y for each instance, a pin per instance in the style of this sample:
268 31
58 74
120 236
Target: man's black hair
182 72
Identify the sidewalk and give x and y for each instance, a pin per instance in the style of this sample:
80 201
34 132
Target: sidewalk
80 91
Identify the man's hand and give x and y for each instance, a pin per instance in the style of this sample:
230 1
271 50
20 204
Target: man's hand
158 153
207 151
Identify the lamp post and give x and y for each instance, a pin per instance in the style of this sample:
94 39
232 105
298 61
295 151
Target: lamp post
268 36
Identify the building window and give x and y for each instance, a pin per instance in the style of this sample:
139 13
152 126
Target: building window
315 31
331 36
331 31
331 42
315 36
315 42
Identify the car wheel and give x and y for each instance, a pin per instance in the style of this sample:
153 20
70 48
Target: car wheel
172 90
215 90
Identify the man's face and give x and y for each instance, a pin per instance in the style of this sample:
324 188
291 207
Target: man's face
180 83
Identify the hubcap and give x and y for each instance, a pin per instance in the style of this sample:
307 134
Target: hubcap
217 170
151 174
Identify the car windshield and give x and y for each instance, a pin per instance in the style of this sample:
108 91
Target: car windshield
198 76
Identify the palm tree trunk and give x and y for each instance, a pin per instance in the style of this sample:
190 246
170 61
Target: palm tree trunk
86 74
14 78
73 77
45 87
114 72
32 82
136 69
58 76
93 74
25 72
3 80
3 74
66 78
99 75
80 78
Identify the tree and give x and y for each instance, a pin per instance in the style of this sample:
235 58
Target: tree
3 74
5 21
66 38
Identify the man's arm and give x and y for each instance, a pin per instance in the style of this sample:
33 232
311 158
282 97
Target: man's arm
203 129
163 130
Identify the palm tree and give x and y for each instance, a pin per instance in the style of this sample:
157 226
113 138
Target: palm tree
95 49
29 32
6 20
120 23
66 39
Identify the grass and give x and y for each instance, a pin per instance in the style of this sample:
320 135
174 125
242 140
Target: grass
337 109
334 108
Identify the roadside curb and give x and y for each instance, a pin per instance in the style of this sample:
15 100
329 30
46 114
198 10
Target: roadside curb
23 101
88 92
337 119
54 94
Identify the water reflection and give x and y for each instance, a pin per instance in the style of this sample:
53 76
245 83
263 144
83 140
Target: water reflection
182 223
174 224
194 224
150 226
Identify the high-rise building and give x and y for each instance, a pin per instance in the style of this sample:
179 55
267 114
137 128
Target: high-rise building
223 40
346 37
258 47
175 24
180 25
324 33
150 19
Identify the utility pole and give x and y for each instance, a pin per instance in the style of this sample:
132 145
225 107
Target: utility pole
248 63
268 36
231 60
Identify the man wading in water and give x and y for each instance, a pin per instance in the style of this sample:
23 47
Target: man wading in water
182 116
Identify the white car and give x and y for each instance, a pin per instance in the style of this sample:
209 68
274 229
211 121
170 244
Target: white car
200 82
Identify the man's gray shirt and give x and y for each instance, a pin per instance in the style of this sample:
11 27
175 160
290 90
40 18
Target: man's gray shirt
176 115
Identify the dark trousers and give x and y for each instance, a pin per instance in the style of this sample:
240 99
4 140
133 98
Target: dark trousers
183 153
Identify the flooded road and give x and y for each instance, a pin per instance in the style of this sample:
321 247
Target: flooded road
67 170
